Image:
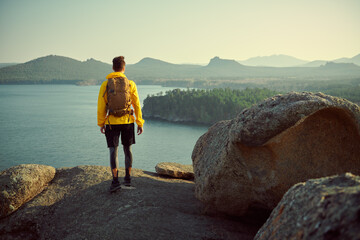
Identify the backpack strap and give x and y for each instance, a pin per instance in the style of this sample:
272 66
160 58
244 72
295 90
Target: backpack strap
105 90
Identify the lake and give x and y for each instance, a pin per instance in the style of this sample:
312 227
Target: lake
57 125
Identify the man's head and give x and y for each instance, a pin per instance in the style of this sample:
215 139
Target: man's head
119 64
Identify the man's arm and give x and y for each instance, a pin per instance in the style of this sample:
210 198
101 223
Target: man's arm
137 108
101 108
140 130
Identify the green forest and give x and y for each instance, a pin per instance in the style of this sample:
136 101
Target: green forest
344 88
202 106
351 94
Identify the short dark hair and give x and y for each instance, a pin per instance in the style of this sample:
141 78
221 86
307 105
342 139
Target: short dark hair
118 63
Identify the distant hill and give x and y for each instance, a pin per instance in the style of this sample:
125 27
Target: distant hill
289 61
55 69
150 70
217 63
152 62
6 64
355 60
318 63
340 67
224 67
159 65
273 61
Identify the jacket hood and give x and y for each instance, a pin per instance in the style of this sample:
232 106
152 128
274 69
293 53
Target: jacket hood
115 74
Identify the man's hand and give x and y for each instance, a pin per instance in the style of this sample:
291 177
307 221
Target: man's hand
139 130
102 130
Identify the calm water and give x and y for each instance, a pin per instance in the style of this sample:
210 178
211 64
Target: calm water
56 125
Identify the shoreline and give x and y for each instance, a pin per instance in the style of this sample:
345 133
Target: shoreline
180 122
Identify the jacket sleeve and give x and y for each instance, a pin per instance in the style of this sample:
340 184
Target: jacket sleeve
101 107
136 104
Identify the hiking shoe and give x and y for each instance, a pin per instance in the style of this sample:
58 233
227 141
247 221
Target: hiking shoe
115 185
127 181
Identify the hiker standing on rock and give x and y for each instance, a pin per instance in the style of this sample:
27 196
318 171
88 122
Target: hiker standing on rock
115 117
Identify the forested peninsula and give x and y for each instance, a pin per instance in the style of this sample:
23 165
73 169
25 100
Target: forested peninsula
202 106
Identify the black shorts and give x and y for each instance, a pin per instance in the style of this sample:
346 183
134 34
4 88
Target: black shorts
126 131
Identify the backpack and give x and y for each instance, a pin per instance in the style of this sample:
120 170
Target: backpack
118 97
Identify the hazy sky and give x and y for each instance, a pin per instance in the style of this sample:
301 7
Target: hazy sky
178 31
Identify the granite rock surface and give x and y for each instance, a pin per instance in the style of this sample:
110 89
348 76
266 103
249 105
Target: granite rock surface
175 170
77 204
324 208
21 183
248 163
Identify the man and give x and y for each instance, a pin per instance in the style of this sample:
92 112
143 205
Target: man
114 123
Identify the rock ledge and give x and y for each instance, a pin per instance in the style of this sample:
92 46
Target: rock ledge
77 205
175 170
21 183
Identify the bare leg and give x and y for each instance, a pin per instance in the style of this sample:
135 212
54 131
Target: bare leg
128 164
114 162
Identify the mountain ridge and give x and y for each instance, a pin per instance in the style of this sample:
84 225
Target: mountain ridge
151 61
318 63
256 61
355 60
54 68
59 69
275 60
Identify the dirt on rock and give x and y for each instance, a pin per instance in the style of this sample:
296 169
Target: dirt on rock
77 204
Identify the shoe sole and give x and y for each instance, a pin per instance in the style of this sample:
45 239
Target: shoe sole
116 188
127 187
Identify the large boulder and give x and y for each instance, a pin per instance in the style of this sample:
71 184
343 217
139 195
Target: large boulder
21 183
175 170
324 208
250 162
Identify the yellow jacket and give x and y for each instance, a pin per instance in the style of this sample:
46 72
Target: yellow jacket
102 117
